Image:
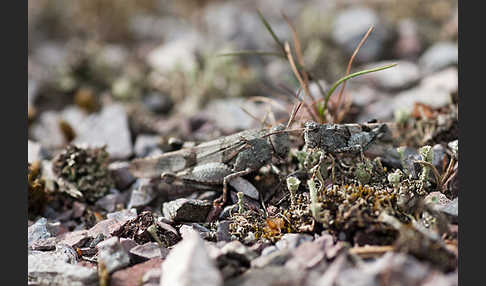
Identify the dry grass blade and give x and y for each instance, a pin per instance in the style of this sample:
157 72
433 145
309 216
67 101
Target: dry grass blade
295 109
299 78
300 58
350 63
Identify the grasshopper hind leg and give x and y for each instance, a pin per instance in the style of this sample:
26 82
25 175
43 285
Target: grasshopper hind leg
221 201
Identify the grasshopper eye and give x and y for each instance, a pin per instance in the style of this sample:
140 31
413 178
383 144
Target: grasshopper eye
311 126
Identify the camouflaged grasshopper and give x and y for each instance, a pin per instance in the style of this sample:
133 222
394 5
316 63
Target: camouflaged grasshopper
344 138
217 162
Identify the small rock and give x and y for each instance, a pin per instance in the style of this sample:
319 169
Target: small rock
95 131
149 250
78 209
108 202
307 255
158 103
340 264
278 257
121 175
451 210
74 239
439 56
222 232
145 144
397 266
152 277
234 258
203 231
123 215
112 254
143 192
292 240
188 263
349 27
134 274
34 152
404 75
128 243
268 276
59 268
228 115
269 249
187 210
408 44
244 186
38 231
176 54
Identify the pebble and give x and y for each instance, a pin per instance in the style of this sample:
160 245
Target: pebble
188 263
59 267
186 210
112 254
349 28
439 56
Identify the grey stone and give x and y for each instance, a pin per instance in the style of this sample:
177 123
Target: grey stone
38 231
59 268
278 257
439 56
203 231
434 90
451 210
121 174
397 266
112 254
349 27
95 131
152 277
176 54
145 144
188 263
292 240
272 275
338 265
46 131
222 232
123 215
439 155
158 103
108 202
143 193
236 247
404 75
242 185
149 250
186 210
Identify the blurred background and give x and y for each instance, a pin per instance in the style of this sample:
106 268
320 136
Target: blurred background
123 73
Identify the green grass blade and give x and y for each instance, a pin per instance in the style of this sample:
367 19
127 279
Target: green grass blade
343 79
269 28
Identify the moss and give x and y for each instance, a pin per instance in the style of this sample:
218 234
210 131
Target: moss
85 169
37 195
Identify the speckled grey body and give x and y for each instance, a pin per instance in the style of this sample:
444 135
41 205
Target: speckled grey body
342 138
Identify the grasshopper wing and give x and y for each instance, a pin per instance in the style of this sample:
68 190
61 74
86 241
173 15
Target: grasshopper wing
220 150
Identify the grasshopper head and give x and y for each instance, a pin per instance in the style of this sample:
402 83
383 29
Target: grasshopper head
280 141
312 135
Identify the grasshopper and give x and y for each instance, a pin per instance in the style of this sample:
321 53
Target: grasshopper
217 162
344 138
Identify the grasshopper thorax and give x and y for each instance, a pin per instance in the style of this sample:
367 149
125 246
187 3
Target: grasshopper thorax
280 141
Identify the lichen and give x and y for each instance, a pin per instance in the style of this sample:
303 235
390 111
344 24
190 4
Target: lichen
85 169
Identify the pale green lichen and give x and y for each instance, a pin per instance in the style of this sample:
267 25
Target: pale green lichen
293 184
241 208
395 178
